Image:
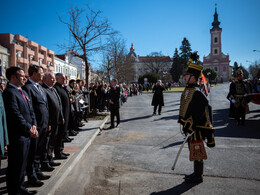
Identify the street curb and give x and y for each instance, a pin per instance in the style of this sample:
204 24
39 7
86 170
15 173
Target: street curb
76 159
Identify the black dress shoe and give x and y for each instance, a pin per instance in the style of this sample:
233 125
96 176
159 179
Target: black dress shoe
75 131
54 164
60 157
65 154
35 183
41 176
72 133
47 167
111 127
67 139
27 192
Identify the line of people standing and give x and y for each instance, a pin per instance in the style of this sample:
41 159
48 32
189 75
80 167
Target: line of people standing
37 116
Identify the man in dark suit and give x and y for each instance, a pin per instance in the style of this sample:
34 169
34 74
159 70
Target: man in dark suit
114 95
65 100
55 113
21 125
38 151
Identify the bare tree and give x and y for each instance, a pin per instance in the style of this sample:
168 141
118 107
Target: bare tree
254 70
107 66
156 62
126 70
115 60
87 28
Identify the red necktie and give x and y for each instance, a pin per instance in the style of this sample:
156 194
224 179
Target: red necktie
21 91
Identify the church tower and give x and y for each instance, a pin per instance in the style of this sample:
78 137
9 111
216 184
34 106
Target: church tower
216 59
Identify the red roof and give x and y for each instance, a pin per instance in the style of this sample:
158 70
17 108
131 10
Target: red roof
157 58
62 57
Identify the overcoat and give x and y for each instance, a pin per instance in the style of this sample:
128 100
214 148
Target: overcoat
3 127
158 95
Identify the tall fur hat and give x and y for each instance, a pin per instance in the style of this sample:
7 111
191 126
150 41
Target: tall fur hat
193 67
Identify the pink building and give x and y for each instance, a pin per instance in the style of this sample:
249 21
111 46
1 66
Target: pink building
24 52
216 59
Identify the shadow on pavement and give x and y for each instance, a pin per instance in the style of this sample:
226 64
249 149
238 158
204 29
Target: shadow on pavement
174 117
173 110
136 118
87 129
179 189
172 144
228 127
3 190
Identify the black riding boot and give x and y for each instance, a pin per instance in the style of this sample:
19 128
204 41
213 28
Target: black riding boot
198 172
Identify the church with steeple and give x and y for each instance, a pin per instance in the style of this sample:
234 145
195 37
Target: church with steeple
216 59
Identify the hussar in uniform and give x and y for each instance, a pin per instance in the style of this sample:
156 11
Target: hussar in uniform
195 118
238 95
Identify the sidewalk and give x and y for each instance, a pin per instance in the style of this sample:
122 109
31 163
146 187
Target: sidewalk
76 148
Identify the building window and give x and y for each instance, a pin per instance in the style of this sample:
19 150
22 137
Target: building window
216 68
19 54
19 43
215 39
216 51
224 69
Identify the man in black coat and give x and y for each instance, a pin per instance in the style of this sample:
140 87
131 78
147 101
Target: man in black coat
55 114
65 100
114 96
21 123
38 151
158 97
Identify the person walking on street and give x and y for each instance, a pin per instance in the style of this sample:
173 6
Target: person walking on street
158 97
114 96
195 118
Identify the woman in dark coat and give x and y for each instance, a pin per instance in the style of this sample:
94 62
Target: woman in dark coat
158 97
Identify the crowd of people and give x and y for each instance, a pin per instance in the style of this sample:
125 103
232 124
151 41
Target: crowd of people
99 94
41 112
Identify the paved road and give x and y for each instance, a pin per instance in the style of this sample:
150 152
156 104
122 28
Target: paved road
136 158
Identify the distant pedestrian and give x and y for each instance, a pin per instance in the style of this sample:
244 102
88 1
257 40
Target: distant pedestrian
158 97
114 96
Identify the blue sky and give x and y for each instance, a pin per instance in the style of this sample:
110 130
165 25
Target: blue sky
151 25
